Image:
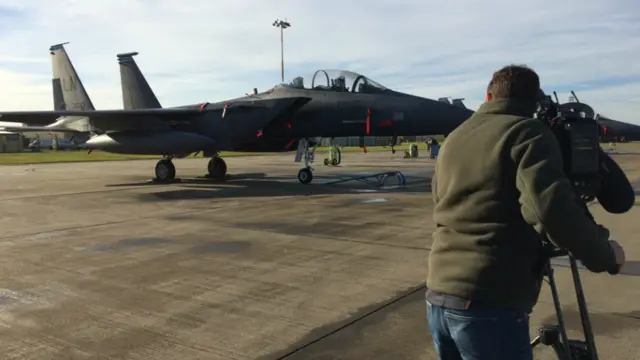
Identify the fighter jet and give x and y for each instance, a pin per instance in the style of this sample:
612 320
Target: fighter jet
617 131
138 94
331 103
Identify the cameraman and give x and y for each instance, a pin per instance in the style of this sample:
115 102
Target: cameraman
498 185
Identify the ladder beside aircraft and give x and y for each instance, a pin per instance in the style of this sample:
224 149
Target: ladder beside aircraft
305 175
377 180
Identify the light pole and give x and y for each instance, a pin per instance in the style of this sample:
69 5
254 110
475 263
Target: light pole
282 25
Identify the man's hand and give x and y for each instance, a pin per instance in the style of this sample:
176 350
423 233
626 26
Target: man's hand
618 251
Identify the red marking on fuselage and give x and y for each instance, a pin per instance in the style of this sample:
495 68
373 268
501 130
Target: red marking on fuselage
386 123
285 124
290 144
368 122
202 106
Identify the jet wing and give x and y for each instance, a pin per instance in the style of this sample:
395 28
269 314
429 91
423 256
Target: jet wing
40 120
36 116
157 119
47 129
108 120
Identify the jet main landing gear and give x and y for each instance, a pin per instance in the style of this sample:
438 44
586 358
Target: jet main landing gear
165 170
217 168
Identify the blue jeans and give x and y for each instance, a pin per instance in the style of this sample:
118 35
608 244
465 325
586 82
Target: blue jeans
480 333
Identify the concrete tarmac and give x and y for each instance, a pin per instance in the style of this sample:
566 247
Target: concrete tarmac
99 264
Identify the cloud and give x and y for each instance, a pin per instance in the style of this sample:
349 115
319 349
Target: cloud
203 50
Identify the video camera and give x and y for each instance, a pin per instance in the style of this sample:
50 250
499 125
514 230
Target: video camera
578 135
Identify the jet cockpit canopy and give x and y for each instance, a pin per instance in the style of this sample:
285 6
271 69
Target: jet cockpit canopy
336 80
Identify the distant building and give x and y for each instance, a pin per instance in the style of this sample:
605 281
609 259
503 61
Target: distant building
355 141
369 140
11 142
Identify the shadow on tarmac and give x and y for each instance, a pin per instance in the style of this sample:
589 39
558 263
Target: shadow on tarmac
609 323
258 185
631 268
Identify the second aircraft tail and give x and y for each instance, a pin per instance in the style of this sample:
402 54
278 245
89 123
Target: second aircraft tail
68 91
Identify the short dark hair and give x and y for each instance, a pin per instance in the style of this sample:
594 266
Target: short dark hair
515 82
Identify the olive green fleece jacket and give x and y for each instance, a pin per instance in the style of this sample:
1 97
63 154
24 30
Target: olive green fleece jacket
499 184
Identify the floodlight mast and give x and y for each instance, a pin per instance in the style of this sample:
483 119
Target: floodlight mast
282 25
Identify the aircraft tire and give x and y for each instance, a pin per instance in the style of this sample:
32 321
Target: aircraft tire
326 162
217 167
334 162
165 170
305 176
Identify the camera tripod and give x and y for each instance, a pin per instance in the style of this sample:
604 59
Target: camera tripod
556 335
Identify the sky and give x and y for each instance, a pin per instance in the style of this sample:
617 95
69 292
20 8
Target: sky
194 51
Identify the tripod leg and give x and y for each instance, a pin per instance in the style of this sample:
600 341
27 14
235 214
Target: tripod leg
549 335
562 351
558 345
584 313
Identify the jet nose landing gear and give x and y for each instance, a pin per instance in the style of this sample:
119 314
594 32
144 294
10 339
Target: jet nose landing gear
305 176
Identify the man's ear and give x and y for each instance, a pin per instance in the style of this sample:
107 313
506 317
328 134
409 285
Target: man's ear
489 97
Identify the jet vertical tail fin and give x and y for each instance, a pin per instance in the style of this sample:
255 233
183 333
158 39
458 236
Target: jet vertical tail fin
455 102
68 91
136 92
458 103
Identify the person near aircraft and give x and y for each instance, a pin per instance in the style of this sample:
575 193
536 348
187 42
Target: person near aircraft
498 182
